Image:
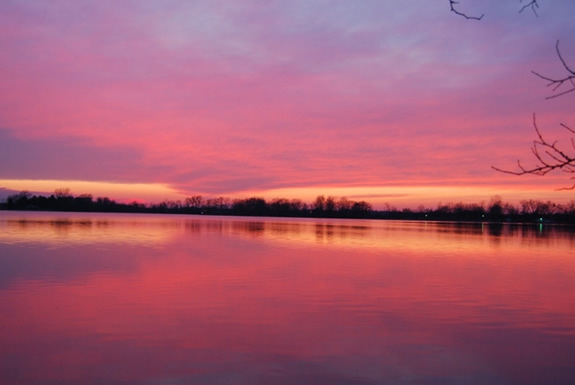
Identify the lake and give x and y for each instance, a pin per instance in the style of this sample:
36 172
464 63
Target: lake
168 299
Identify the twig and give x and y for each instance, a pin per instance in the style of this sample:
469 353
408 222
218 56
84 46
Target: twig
532 4
452 4
558 83
549 157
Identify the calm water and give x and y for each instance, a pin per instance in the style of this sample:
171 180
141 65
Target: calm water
125 299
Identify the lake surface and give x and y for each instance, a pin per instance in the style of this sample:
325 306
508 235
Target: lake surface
154 299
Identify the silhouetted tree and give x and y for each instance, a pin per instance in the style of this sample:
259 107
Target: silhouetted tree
343 205
251 206
361 209
218 205
281 207
104 204
558 83
63 193
298 206
83 202
549 156
495 208
318 205
195 202
330 205
18 201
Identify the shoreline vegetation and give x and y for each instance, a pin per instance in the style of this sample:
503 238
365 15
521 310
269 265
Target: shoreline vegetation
528 211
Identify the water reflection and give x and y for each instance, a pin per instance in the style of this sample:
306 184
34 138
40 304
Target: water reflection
84 228
180 299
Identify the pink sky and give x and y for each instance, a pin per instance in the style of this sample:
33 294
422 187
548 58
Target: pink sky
387 101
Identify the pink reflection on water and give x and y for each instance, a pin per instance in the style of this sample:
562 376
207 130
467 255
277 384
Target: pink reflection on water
270 301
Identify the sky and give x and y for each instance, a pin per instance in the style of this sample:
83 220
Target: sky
399 102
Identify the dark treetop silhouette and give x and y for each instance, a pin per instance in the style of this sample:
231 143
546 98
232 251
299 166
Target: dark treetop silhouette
331 207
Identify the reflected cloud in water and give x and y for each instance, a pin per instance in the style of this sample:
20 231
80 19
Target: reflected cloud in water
263 300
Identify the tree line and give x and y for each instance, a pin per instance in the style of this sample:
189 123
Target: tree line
63 200
496 210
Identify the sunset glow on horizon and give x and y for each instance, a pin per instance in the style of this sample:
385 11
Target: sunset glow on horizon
387 102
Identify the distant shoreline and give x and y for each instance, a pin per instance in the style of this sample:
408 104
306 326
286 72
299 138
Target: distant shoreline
497 211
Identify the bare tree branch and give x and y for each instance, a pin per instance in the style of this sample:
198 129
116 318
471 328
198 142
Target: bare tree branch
549 157
557 83
532 4
452 4
568 129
